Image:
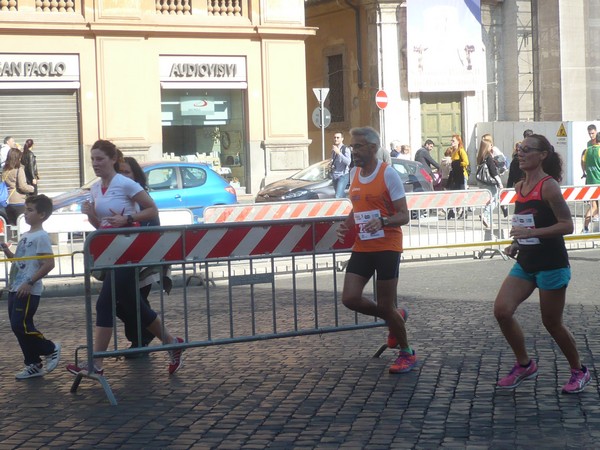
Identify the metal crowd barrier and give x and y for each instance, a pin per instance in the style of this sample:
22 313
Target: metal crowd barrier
254 254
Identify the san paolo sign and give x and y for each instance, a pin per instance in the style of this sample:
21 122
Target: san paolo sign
36 67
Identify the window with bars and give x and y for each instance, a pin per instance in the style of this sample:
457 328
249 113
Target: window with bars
335 77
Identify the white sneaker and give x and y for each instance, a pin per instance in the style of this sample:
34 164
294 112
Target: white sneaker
53 358
30 371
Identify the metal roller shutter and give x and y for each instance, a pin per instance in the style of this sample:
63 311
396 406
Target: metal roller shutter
50 118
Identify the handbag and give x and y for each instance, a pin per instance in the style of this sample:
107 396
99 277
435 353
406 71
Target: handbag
483 174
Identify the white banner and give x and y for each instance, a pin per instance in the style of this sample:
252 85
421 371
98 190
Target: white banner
444 47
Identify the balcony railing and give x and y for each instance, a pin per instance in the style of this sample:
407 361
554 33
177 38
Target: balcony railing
213 7
61 6
210 8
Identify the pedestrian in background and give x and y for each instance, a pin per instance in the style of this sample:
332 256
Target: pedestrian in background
9 142
115 205
129 167
404 152
395 148
590 163
13 175
341 157
459 173
541 219
378 211
515 174
459 154
25 289
28 161
485 156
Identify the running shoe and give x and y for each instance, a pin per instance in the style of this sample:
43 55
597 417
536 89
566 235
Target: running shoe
404 363
392 342
578 381
30 371
517 375
176 358
83 368
53 358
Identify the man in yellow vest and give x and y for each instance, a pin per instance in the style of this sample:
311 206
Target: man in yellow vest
379 209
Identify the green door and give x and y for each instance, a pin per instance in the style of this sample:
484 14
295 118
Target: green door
440 119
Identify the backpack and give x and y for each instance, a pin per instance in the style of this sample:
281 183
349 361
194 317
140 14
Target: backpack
3 194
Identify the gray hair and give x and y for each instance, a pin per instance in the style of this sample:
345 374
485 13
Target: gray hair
370 135
394 144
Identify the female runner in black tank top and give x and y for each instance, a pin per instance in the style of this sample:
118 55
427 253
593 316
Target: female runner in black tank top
541 219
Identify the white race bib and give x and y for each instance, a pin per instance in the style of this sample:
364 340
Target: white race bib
361 219
525 221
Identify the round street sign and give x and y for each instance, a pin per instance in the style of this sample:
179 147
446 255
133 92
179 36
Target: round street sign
316 117
381 99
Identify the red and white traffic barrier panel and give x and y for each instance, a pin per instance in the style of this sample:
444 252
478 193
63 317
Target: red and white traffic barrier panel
277 211
570 194
199 243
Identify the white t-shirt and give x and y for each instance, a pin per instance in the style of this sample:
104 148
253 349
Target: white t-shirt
118 198
31 244
4 154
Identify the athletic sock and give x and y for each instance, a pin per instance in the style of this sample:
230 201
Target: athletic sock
408 350
525 366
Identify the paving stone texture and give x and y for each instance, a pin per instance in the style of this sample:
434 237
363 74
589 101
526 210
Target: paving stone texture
324 391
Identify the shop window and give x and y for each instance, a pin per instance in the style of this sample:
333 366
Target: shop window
207 126
335 67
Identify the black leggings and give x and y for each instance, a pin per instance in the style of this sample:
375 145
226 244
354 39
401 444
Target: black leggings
125 299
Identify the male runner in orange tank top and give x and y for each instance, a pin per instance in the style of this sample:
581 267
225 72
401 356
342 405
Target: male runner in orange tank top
378 211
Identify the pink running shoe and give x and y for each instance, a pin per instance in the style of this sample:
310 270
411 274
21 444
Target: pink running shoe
517 375
392 342
578 381
405 362
176 358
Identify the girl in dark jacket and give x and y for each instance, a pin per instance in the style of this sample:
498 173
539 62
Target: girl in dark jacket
30 165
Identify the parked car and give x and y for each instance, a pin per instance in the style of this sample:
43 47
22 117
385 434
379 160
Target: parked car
172 185
314 182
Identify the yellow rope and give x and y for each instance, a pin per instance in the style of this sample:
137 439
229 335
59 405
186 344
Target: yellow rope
26 258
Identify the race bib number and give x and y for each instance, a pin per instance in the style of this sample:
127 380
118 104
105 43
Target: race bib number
361 219
525 221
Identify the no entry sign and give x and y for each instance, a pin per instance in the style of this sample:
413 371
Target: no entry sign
381 99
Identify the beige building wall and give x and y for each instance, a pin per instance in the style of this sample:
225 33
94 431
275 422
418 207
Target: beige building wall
120 42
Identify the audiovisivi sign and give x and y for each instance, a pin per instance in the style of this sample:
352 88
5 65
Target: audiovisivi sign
227 71
37 67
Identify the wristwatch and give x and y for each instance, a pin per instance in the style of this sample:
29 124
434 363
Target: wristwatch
30 282
129 219
385 221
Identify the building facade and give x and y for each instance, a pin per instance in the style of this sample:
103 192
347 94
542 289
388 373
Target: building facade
540 65
195 79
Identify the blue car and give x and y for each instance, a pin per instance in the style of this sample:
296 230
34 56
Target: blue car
172 185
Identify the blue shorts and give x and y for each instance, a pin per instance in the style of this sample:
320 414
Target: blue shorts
547 280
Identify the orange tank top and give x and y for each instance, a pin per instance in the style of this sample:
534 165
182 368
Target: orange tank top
369 199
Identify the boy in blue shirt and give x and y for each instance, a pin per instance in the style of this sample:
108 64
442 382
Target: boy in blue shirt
25 288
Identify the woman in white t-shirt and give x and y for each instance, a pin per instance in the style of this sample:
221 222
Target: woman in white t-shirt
115 200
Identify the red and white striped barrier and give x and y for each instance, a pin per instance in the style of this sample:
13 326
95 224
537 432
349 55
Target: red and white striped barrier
570 194
277 211
448 199
199 243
